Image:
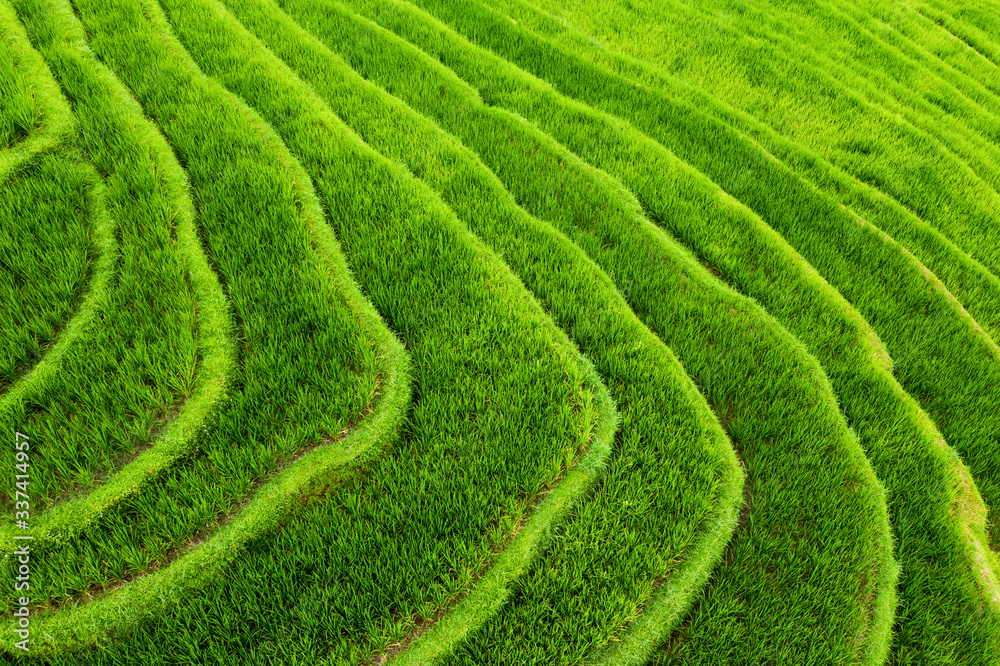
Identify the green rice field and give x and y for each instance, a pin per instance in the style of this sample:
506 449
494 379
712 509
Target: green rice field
489 332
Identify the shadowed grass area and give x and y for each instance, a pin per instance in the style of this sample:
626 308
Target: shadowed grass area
20 112
47 253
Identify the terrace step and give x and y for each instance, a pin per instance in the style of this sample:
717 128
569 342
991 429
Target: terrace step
455 304
107 540
857 375
393 65
668 422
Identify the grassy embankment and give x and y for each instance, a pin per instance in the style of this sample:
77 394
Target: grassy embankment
913 33
941 498
457 307
975 286
119 133
687 516
875 146
860 375
55 233
149 198
469 113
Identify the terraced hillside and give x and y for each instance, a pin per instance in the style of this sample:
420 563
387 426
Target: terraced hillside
500 332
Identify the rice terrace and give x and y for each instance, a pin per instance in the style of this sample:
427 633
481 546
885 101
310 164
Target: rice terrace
488 332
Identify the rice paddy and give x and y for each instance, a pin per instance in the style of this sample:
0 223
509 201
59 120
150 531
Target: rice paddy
500 332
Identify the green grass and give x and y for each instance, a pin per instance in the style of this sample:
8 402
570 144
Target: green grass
746 73
976 288
172 512
47 256
49 150
128 370
507 331
118 381
462 113
644 377
911 30
924 328
224 49
897 435
899 316
101 99
819 33
20 112
974 26
47 246
34 117
451 286
912 62
43 288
